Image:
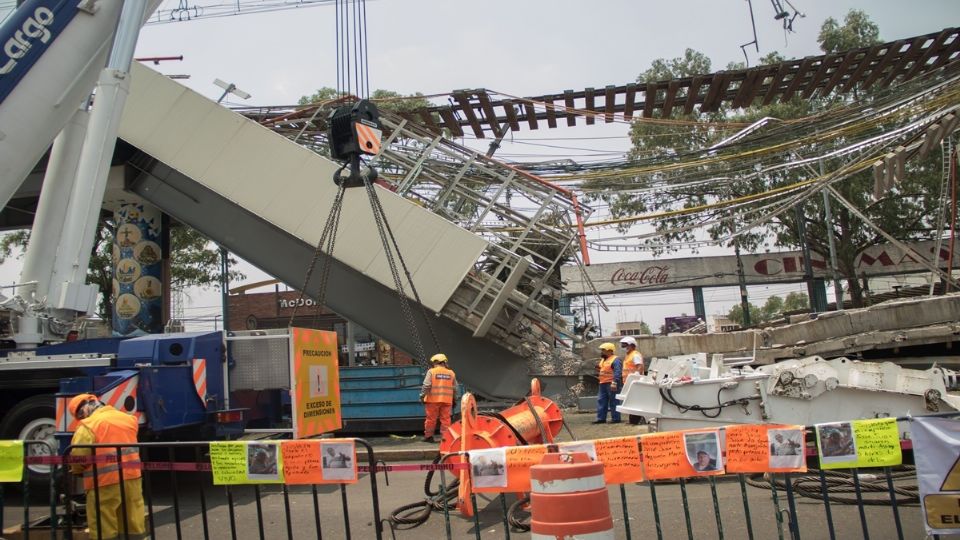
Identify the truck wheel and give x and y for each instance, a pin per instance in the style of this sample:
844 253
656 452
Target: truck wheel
33 419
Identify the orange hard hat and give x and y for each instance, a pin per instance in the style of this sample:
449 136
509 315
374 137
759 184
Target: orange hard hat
77 401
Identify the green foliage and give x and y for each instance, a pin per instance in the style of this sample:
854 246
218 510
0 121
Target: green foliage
908 212
857 31
645 328
774 308
736 314
386 100
796 301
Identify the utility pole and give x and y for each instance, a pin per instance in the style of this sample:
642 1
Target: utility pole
807 268
744 302
837 288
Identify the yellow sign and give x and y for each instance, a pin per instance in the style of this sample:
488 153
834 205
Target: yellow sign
860 443
315 384
246 462
11 461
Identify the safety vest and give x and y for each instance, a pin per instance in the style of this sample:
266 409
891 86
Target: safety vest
606 369
109 425
633 363
443 383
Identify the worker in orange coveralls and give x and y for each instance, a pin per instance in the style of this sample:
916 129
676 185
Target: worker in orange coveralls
102 424
437 394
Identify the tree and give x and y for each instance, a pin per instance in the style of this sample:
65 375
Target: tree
908 212
774 308
386 100
194 260
645 328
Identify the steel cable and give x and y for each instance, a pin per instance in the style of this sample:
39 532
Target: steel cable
809 486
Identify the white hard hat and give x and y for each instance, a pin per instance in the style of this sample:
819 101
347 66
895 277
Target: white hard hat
628 341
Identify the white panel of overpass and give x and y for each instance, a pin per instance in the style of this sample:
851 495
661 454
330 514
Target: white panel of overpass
290 186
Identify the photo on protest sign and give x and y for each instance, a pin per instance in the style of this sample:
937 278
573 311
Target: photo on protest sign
703 451
836 442
489 467
580 446
337 461
262 462
786 448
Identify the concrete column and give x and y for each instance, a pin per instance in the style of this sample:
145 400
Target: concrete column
137 270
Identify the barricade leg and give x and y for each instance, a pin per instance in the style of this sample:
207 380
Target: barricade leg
746 506
893 502
716 506
686 508
656 509
826 504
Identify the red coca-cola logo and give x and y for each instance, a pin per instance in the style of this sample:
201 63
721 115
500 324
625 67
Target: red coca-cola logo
651 275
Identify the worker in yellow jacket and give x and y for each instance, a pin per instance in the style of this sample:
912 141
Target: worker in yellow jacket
437 394
102 424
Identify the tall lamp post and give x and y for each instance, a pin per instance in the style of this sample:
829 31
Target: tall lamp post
228 88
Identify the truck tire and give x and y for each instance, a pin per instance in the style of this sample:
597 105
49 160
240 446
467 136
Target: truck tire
33 419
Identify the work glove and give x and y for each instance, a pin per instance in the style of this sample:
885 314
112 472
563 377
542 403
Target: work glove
423 398
613 386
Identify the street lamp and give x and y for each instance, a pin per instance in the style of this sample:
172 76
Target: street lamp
228 88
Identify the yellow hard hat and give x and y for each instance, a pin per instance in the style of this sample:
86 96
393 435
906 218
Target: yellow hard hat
437 358
608 347
78 400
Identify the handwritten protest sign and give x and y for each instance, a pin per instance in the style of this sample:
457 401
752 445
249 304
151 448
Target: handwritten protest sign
246 462
665 456
11 461
757 448
519 459
621 459
301 462
228 460
861 443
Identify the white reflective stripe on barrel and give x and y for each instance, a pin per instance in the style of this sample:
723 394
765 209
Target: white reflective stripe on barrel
568 485
603 535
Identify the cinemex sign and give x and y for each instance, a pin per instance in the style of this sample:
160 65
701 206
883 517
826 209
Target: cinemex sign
780 267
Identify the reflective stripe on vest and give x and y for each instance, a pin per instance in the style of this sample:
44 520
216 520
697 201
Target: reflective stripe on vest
110 426
606 369
442 383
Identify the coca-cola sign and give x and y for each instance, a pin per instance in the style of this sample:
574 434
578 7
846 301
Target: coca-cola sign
651 275
783 267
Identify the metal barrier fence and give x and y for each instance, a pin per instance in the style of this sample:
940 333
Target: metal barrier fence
43 448
818 504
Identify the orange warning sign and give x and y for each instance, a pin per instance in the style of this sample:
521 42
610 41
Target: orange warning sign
369 138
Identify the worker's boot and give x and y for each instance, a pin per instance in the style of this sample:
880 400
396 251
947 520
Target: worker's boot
429 439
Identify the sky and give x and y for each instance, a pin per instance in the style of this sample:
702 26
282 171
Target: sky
526 47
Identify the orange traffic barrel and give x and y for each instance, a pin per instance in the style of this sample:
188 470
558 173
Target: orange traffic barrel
568 499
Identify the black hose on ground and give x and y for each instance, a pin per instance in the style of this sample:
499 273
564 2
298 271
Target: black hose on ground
518 515
417 513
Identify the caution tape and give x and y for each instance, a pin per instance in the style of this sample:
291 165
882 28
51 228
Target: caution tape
408 468
182 466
